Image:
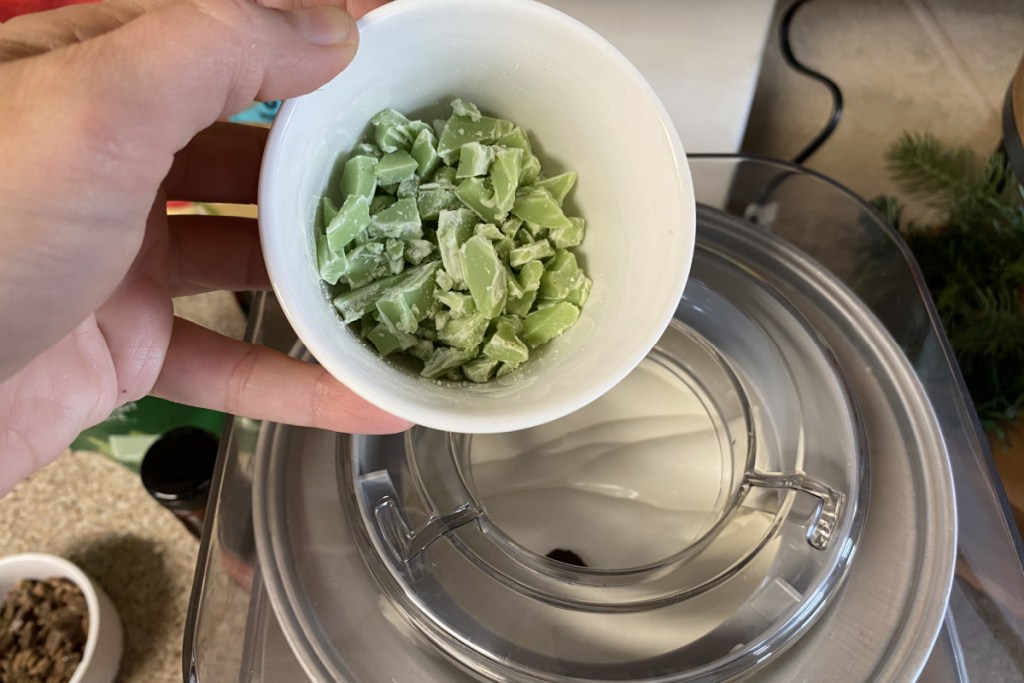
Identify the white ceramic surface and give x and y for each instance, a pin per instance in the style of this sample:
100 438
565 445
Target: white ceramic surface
585 107
105 641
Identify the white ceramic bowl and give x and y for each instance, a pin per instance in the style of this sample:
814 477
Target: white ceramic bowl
585 108
104 643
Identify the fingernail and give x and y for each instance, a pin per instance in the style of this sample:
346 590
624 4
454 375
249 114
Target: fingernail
322 25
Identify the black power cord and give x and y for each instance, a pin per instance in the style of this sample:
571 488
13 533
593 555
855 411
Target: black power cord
794 63
762 211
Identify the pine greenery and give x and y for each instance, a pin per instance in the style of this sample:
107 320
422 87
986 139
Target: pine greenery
972 259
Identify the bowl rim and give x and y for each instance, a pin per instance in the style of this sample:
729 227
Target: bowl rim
68 570
436 415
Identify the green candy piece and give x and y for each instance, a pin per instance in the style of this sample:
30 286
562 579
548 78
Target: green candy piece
534 251
408 188
512 282
484 274
424 151
521 306
559 277
530 275
505 177
432 201
366 263
416 251
359 177
462 129
543 325
401 220
330 263
516 138
458 304
445 177
480 370
354 304
394 167
506 347
453 229
329 211
536 205
391 131
381 202
580 291
464 333
529 172
488 230
352 218
463 108
474 160
444 359
558 185
476 193
563 238
367 149
387 341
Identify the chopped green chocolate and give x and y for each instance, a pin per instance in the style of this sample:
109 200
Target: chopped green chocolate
484 274
480 370
359 177
394 167
445 358
505 346
453 229
391 131
534 251
352 218
424 151
461 129
331 264
559 277
451 249
474 160
558 186
329 211
477 194
545 324
433 200
571 236
400 220
538 206
505 177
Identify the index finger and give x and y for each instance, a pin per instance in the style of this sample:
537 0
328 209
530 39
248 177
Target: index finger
203 368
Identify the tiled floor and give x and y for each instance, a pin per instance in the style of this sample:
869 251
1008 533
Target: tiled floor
941 66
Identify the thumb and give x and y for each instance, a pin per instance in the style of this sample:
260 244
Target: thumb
90 131
144 89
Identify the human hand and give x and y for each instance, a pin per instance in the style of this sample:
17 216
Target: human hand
106 114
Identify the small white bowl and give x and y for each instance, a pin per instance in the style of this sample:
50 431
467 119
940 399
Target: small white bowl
104 643
585 107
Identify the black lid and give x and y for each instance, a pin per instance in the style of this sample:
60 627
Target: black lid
178 467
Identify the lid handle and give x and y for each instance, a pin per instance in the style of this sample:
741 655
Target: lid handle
403 543
825 519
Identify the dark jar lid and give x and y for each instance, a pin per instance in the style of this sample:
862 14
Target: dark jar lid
178 467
